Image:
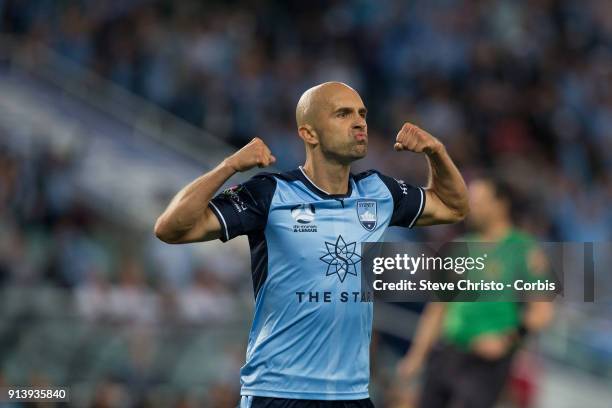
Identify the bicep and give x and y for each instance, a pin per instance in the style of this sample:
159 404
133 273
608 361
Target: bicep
240 210
435 211
207 228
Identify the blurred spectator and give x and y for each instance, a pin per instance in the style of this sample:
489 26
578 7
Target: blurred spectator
138 371
131 300
92 298
205 300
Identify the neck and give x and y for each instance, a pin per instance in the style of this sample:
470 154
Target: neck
496 230
329 177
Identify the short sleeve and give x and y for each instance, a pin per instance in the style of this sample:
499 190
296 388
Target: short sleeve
408 202
243 209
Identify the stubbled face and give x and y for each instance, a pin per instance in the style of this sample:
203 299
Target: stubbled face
485 207
341 125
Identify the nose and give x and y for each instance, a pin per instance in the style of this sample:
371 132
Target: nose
360 124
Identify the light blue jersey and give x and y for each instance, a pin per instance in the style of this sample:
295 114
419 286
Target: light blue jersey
311 331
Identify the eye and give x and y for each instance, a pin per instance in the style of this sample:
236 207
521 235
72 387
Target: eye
342 114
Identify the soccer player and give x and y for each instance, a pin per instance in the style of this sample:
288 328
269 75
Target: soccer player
309 341
472 362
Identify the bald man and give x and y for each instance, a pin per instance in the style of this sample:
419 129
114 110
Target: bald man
309 341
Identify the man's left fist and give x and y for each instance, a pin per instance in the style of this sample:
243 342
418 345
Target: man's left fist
415 139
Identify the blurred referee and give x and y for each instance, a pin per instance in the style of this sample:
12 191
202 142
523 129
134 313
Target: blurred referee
477 340
309 341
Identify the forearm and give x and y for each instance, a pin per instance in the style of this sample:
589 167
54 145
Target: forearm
189 206
428 330
446 182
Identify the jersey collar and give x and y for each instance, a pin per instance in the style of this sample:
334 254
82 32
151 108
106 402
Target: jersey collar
319 191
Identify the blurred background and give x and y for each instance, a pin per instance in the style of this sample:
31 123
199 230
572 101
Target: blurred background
108 108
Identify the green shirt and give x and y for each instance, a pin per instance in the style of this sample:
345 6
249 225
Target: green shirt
466 320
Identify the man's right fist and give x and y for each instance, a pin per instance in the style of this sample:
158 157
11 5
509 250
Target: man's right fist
256 153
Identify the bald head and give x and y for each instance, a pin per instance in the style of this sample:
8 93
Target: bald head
316 99
331 120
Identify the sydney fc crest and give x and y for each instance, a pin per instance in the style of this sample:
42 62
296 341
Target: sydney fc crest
366 213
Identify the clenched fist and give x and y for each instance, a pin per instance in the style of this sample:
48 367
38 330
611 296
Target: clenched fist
255 153
414 139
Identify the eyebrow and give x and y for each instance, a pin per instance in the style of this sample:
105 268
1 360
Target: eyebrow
345 109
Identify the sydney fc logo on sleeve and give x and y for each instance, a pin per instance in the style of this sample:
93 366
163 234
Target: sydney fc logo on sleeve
366 213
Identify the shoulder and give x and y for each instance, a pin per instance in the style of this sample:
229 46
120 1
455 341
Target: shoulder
395 186
391 182
365 174
262 180
260 185
375 177
266 182
373 180
273 177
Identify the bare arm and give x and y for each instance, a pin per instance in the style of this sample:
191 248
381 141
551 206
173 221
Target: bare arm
446 194
425 337
188 217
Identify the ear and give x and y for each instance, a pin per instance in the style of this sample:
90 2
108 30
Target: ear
308 135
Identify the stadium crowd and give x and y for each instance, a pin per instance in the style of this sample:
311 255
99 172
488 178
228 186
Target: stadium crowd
523 89
52 238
